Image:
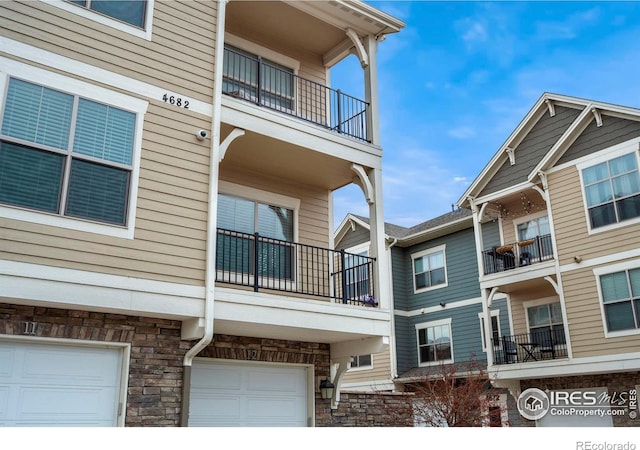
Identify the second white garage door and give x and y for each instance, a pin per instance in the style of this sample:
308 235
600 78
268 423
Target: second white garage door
230 394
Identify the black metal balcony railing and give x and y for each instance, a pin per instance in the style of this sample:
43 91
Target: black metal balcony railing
518 254
272 264
534 346
254 80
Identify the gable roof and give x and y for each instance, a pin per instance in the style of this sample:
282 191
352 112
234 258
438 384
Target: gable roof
571 116
447 223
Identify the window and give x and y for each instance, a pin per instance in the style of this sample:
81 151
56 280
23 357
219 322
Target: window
65 155
545 324
259 80
362 362
132 12
357 275
434 342
612 190
539 230
620 292
429 269
240 218
495 329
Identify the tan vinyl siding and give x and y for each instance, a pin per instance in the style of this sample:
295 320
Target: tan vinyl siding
171 215
543 290
179 57
380 373
585 318
569 216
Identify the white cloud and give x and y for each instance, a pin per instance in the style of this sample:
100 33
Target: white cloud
462 132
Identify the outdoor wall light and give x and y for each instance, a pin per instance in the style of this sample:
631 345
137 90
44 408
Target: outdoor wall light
326 389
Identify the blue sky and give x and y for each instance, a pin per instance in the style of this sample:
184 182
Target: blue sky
461 76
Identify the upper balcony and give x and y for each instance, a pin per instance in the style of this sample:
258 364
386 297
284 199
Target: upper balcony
267 84
534 250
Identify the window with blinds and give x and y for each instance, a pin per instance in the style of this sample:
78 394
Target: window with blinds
621 299
239 220
66 155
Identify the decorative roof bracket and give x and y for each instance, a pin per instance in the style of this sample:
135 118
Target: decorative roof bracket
598 116
551 107
362 53
512 155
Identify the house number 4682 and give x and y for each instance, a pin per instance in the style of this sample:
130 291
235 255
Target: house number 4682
178 101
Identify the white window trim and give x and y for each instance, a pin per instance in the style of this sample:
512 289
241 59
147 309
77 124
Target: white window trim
264 52
598 158
92 92
598 272
493 313
414 256
362 368
435 323
108 21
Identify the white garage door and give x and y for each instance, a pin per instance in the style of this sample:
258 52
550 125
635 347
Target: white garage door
588 417
231 394
58 385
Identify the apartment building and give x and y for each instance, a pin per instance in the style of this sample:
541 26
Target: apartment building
166 245
438 310
565 191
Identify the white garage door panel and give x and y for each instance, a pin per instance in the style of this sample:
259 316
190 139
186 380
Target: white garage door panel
225 394
58 385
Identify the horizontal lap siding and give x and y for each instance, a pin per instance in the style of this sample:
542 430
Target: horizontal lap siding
585 318
171 215
353 238
380 372
179 57
570 222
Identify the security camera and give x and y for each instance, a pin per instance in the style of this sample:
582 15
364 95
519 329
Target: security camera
202 135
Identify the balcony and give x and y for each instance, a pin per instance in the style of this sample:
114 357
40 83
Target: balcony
518 254
549 344
266 264
252 79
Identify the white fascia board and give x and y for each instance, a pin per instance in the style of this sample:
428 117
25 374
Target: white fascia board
57 287
269 309
438 231
365 19
242 114
615 362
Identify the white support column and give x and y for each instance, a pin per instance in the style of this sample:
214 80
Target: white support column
371 90
376 225
478 211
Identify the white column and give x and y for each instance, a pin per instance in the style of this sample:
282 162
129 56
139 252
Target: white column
371 90
376 224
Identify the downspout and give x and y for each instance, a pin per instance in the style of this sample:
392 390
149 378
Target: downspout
212 221
392 352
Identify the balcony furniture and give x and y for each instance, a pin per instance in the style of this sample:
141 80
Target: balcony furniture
529 349
510 350
519 254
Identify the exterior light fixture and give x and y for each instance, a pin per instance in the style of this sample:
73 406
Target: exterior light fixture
326 389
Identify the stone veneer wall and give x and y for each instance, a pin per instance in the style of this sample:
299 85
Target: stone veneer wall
616 382
154 395
372 409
